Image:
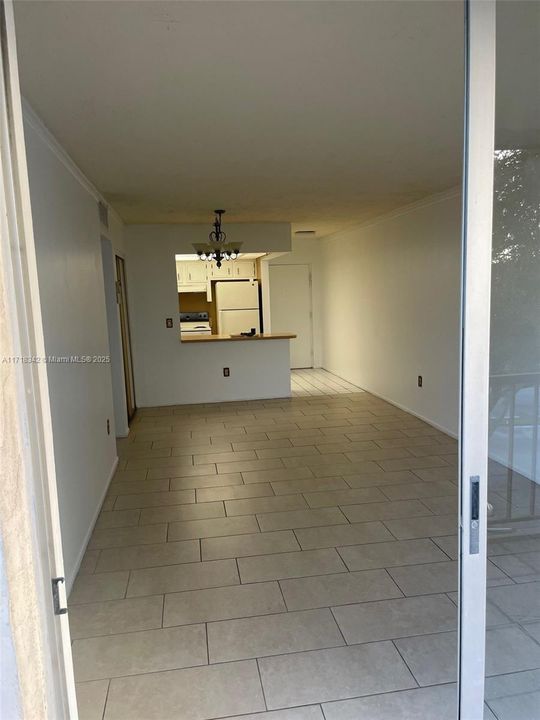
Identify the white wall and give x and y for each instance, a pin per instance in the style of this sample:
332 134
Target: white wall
307 251
168 372
391 298
67 236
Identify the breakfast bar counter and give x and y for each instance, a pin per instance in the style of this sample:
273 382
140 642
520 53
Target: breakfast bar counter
193 338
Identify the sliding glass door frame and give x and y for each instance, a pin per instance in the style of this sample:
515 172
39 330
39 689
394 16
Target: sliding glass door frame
475 324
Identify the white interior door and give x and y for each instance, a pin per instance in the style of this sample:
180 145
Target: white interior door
291 309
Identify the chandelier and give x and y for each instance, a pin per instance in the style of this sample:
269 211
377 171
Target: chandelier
217 248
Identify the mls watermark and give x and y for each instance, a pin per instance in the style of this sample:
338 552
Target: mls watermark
54 359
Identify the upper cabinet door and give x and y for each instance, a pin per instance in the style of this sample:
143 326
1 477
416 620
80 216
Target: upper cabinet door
195 272
244 269
180 273
224 272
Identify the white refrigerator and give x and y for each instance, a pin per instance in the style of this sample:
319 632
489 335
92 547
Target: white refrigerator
237 305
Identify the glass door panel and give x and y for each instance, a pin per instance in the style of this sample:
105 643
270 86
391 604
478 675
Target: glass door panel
512 663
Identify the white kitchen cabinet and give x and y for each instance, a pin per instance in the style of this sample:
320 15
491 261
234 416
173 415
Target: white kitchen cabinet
196 272
244 269
180 273
225 272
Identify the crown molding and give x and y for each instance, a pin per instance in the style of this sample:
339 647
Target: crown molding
399 212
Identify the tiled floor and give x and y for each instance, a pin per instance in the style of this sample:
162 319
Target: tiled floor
289 560
316 381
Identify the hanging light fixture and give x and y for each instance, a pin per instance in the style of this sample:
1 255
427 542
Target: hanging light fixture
217 249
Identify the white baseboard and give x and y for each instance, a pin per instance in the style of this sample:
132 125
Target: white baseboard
70 579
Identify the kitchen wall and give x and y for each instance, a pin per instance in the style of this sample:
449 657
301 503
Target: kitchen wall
67 237
391 299
307 251
166 371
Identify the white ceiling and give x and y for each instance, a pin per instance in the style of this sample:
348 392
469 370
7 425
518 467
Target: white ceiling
322 114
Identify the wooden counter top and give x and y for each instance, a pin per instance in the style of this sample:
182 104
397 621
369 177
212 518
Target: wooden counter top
224 338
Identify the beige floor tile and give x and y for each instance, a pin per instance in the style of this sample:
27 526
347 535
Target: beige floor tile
319 461
117 518
391 554
442 505
115 616
378 454
272 635
252 506
139 652
309 712
235 601
140 450
390 619
287 452
175 578
89 562
108 503
338 535
204 481
129 476
141 556
432 658
198 448
408 528
277 475
216 527
245 466
292 519
336 674
245 545
261 444
433 703
142 486
290 565
436 474
448 544
155 499
385 510
438 577
521 603
381 478
121 537
311 484
224 457
166 462
103 586
176 513
339 589
344 497
419 490
346 468
91 697
183 471
191 694
412 463
234 492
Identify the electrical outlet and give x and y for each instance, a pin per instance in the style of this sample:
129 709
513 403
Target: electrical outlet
169 322
420 381
108 426
226 372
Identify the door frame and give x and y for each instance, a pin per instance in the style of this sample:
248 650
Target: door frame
32 480
475 324
125 335
310 278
